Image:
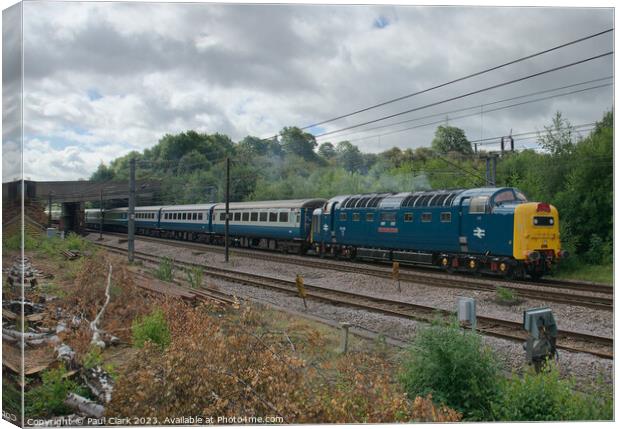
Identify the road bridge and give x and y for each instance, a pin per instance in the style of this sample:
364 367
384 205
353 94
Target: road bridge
73 194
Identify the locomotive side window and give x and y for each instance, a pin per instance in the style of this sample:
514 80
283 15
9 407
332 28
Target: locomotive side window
478 205
356 217
254 217
343 216
283 217
426 217
388 217
543 221
222 216
446 217
263 216
408 217
370 217
273 217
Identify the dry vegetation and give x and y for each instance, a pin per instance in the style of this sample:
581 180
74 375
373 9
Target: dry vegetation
229 363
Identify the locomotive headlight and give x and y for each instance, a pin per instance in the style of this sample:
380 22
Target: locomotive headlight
551 221
535 221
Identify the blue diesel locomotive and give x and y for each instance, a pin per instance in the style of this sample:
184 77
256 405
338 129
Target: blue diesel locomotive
484 229
478 230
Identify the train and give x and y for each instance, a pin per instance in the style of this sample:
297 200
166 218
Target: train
493 230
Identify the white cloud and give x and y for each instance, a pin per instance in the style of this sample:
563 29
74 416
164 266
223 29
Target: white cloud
251 70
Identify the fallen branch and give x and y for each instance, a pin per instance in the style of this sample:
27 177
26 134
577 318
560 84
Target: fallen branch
99 382
94 325
84 405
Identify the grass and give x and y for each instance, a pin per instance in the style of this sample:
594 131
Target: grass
153 328
195 276
165 270
586 272
506 296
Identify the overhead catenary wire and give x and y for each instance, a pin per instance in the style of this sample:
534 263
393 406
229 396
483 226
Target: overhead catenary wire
527 57
473 114
491 103
467 94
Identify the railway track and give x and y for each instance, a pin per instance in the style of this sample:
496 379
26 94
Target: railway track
572 341
522 289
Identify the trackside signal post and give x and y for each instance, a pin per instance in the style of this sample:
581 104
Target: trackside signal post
132 208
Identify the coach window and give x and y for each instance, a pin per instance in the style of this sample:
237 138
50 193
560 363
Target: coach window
199 216
356 217
426 217
408 217
478 205
446 217
175 216
370 217
343 216
283 217
184 216
263 216
237 216
253 216
194 216
246 216
273 217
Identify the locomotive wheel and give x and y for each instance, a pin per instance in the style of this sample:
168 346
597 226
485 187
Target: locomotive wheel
472 265
446 264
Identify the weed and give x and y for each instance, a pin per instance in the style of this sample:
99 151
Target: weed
454 367
11 397
195 276
153 328
47 399
165 270
506 296
93 358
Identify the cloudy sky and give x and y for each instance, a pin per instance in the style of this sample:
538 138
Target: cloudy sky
101 79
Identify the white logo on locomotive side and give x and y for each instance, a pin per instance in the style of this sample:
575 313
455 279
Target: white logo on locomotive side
479 232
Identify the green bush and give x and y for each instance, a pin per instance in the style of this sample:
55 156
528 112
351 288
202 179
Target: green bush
152 327
47 399
165 270
546 397
600 252
453 366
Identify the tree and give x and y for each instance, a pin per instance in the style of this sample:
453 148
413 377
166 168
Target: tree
451 139
349 156
102 174
297 142
558 137
254 145
327 150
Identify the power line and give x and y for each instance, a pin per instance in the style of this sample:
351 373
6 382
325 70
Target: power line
472 114
490 104
469 93
460 79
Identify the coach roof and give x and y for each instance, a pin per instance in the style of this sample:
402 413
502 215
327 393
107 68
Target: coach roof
277 204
